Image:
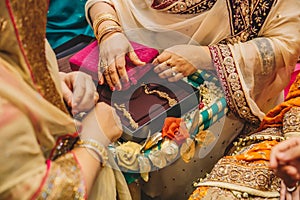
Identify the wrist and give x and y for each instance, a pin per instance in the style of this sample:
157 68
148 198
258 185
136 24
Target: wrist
94 148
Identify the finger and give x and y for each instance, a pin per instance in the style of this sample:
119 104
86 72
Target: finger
287 144
290 154
167 73
277 153
67 94
273 164
286 174
296 164
102 66
164 56
120 64
114 76
89 97
135 59
96 97
161 67
101 80
282 191
108 80
175 78
295 194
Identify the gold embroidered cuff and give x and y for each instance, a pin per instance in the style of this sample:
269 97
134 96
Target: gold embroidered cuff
95 146
64 180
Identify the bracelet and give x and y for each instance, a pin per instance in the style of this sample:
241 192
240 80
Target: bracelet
108 30
95 146
104 17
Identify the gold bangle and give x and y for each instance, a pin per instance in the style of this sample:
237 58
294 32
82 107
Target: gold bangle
95 146
108 29
104 17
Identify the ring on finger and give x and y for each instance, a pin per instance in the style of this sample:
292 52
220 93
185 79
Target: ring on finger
174 72
102 66
292 189
168 63
110 71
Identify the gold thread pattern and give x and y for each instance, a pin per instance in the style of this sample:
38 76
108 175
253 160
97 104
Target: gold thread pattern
247 18
184 6
254 175
127 115
32 15
161 94
291 121
231 83
65 180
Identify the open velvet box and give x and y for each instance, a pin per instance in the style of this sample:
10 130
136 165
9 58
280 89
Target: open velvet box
150 110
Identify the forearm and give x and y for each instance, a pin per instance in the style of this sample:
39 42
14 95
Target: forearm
104 20
90 166
100 7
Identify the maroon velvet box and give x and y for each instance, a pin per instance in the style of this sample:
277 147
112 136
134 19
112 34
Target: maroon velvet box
150 110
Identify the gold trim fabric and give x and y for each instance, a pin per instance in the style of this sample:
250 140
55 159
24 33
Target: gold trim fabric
32 16
245 173
64 181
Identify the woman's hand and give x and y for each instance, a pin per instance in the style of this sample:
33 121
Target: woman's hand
285 160
112 60
285 194
182 60
102 124
79 91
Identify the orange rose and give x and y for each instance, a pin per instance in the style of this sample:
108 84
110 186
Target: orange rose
175 129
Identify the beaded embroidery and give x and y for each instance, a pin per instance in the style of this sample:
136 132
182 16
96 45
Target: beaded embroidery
65 180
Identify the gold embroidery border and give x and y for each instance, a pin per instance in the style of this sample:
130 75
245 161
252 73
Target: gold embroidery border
253 178
291 121
231 83
185 6
247 18
32 15
64 180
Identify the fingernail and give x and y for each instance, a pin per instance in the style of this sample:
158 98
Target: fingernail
112 88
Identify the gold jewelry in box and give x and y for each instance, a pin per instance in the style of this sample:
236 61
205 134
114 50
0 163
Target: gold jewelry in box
95 146
127 115
161 94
